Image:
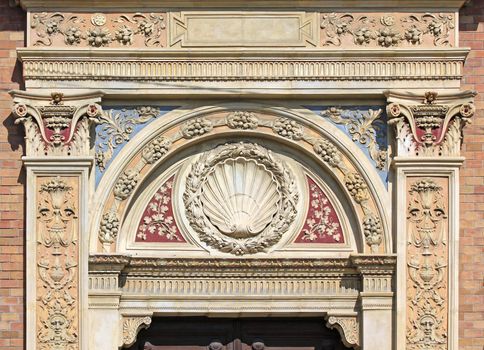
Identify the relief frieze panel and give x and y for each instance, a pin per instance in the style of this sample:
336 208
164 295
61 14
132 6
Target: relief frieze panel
95 30
57 306
376 30
427 264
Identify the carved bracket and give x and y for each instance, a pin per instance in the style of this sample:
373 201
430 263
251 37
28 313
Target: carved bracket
429 125
56 125
131 327
348 327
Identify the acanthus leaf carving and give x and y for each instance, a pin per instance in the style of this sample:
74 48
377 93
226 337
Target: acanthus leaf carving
432 128
363 127
57 127
116 128
348 327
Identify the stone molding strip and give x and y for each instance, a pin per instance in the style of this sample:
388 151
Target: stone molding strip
245 65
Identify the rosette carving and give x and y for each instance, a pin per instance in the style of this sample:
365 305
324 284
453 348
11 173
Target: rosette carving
240 198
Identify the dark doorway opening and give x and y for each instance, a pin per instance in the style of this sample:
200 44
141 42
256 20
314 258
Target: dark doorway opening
203 333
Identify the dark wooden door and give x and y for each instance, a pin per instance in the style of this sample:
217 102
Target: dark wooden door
202 333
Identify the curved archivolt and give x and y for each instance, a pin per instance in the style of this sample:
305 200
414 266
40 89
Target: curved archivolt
290 131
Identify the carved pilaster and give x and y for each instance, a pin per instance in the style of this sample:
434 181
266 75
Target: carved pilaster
427 264
57 125
57 265
429 124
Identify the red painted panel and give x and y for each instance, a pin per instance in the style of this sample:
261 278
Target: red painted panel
322 224
158 224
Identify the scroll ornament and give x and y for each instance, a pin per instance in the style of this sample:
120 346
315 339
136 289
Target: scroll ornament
387 30
348 328
57 128
57 301
427 267
131 327
430 128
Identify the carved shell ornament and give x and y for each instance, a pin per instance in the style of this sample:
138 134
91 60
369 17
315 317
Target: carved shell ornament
240 198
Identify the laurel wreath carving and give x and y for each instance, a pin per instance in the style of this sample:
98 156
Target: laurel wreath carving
207 232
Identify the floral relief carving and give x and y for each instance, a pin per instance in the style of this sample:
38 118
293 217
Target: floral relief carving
373 231
427 266
322 223
365 128
328 152
357 187
156 149
157 223
371 29
57 274
138 29
116 128
262 203
126 184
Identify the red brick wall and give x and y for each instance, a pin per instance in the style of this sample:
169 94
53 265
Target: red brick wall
12 179
471 315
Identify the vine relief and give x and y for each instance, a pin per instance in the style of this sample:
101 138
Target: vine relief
322 224
157 223
98 29
57 307
376 30
427 256
366 128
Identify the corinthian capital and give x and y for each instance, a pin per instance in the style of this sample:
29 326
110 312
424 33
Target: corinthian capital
57 125
429 124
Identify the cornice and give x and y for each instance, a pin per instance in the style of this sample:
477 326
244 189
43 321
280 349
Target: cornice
338 4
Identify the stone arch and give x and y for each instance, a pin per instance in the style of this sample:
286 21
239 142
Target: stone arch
311 135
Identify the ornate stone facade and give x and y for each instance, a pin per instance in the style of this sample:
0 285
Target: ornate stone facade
242 207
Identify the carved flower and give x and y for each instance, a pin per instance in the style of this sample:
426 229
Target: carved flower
72 36
387 37
387 20
196 127
125 184
156 149
327 151
288 128
109 227
242 120
146 28
435 28
98 37
467 110
413 35
124 35
373 231
363 36
394 110
20 110
356 186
